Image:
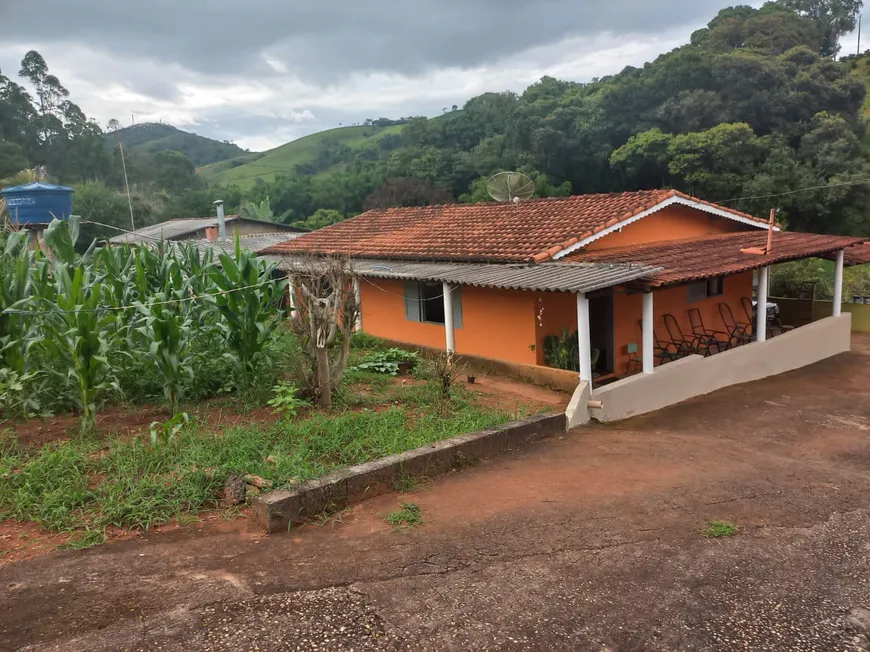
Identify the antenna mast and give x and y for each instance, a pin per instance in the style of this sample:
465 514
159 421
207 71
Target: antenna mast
127 186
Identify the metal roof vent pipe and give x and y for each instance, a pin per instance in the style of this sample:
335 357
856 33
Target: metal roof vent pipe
222 222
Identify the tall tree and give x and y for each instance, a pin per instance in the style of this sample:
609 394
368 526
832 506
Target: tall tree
833 17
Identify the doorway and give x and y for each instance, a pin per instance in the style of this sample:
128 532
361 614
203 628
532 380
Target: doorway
601 332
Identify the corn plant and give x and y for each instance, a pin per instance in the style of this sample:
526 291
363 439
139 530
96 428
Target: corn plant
74 323
16 288
75 328
169 330
248 303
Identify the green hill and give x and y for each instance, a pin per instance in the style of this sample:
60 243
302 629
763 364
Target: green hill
152 137
316 154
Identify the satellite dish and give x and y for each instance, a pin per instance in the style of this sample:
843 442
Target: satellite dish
510 186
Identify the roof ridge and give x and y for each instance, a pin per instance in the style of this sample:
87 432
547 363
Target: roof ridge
531 200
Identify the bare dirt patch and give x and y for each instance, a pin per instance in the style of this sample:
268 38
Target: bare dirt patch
508 393
129 421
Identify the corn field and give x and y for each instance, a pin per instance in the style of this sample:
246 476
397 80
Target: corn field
129 323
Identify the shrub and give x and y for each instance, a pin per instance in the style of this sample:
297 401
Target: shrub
286 400
387 362
361 341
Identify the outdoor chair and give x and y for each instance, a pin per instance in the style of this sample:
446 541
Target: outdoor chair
738 332
774 324
749 309
714 339
688 345
663 350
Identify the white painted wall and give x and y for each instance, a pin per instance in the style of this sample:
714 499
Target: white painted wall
693 376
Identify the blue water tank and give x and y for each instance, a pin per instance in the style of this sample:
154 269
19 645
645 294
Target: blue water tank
37 202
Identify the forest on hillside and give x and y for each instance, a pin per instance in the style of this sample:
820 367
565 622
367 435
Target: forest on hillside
756 104
753 111
153 137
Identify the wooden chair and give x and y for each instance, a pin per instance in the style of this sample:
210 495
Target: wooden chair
664 350
688 345
714 339
738 332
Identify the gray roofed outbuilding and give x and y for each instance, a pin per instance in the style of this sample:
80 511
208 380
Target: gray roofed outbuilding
546 277
186 228
254 243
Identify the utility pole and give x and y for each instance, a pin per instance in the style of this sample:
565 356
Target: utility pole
859 35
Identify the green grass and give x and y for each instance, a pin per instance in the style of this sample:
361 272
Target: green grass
283 158
716 529
408 516
92 484
405 483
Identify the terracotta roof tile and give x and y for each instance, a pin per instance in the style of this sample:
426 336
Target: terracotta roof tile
694 259
534 230
858 254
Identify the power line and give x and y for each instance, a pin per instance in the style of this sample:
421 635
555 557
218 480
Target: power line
117 228
792 192
401 296
12 311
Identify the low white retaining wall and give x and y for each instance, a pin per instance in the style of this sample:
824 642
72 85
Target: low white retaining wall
695 375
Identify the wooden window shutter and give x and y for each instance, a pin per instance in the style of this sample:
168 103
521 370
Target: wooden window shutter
413 306
456 296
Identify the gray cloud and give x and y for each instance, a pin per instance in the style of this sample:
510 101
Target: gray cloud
265 71
323 41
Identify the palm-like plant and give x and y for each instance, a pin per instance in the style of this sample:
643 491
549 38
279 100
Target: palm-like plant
262 211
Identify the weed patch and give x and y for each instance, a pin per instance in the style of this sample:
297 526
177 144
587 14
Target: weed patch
410 515
142 484
716 529
405 483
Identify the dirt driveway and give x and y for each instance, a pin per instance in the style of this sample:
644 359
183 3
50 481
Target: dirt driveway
588 542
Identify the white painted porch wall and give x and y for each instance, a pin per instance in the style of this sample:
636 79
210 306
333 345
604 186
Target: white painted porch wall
695 375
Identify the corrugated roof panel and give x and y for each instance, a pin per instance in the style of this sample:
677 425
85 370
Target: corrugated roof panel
547 277
178 228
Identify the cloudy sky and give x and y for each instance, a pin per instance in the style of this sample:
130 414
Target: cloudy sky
263 72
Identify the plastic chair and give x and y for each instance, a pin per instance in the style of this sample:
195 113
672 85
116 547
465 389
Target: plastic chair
712 337
738 332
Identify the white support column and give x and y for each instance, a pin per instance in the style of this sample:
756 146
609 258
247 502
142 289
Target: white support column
583 338
448 316
838 283
356 292
761 306
648 339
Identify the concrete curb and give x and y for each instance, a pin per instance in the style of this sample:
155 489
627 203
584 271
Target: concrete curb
276 510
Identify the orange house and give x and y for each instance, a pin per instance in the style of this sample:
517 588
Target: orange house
608 285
